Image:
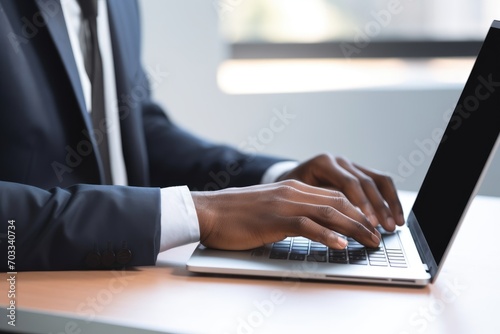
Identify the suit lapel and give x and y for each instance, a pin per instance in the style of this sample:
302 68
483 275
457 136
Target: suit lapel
56 26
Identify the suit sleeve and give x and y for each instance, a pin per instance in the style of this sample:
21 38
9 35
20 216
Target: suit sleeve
79 227
177 157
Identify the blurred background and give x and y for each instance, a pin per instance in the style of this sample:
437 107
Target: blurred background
276 21
374 81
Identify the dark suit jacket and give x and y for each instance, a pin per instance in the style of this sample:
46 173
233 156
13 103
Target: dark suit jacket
49 171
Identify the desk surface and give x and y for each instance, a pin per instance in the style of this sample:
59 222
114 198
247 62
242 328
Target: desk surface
169 299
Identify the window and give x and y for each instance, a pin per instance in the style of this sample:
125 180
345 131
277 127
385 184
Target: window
350 29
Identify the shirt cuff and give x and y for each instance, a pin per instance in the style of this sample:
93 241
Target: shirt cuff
276 170
179 221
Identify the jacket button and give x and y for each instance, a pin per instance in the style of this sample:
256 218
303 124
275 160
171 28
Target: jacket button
123 256
93 260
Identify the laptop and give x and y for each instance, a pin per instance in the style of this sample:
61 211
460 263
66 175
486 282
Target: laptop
414 253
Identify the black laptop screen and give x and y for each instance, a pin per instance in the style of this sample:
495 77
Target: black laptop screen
466 145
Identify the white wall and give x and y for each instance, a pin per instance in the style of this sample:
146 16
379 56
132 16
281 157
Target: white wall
379 128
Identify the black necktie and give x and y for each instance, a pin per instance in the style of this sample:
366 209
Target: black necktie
93 66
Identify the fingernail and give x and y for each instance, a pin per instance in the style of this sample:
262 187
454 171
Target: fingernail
375 239
401 219
391 223
342 242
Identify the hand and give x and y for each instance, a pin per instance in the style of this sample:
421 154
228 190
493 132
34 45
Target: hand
249 217
373 192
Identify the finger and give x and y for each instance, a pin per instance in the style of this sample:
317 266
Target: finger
388 190
298 192
332 210
348 183
304 193
306 227
371 198
328 208
354 225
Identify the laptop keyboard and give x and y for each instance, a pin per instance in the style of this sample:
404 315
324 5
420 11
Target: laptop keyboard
389 253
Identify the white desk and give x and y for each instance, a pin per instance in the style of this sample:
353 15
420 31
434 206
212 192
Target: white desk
167 298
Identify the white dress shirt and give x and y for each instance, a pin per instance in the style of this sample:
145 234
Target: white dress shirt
179 221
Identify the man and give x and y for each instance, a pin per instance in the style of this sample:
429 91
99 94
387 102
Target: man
79 194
